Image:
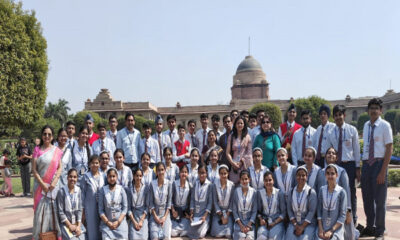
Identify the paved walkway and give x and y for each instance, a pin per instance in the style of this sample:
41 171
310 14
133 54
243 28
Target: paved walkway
16 216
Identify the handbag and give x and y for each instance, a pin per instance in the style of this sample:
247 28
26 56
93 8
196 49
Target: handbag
51 235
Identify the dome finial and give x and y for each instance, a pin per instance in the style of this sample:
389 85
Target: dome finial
249 45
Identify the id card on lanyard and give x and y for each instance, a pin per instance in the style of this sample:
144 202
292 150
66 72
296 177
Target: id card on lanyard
128 134
329 219
161 208
298 213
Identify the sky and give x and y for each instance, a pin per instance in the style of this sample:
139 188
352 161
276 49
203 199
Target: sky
188 51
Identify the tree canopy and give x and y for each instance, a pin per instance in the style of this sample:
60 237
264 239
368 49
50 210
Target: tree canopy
58 111
312 103
272 110
23 66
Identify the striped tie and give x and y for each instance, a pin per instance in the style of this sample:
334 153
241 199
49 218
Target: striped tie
371 151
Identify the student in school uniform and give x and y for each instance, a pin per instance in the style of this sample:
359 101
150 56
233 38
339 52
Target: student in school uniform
162 139
301 207
215 125
302 138
191 133
160 205
112 133
171 169
257 129
257 170
193 166
148 173
138 207
69 204
222 191
223 140
128 139
212 167
287 129
182 148
252 121
332 206
320 137
149 145
285 174
234 114
124 173
91 183
171 131
378 148
104 163
104 144
113 206
313 169
89 123
201 134
342 180
71 128
244 209
211 145
271 204
269 142
66 158
344 138
81 153
180 213
200 205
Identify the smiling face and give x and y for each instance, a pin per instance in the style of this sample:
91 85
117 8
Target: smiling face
94 165
83 136
204 122
72 178
268 181
183 174
168 156
257 157
223 174
239 125
282 157
112 178
202 174
211 138
214 157
147 132
104 160
306 120
339 118
260 117
194 157
47 136
291 115
309 156
192 127
171 124
102 133
145 161
119 159
62 138
181 133
266 124
160 171
301 177
130 122
330 156
159 127
113 123
374 111
330 175
138 176
244 180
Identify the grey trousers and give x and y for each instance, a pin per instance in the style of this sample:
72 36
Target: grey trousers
26 178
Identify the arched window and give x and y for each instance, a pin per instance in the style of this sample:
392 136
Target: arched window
354 116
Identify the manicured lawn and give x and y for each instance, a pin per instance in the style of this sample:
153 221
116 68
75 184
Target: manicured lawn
16 184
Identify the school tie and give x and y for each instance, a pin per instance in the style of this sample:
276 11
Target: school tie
193 141
371 151
102 145
159 144
340 146
204 138
318 158
114 138
145 146
303 149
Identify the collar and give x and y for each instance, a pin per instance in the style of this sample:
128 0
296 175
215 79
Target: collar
290 124
377 122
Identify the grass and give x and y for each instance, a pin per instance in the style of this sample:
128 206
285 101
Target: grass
16 184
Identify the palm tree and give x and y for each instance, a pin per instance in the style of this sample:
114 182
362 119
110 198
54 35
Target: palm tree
58 111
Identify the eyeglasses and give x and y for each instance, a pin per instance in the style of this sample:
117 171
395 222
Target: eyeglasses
47 134
264 122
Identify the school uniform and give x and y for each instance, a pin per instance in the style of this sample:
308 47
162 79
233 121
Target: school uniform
129 142
376 137
137 206
212 175
312 177
93 138
219 134
105 144
200 203
254 132
90 187
287 126
298 147
345 141
181 203
125 177
222 202
181 149
244 209
66 161
150 146
172 172
112 204
192 139
148 177
160 202
80 160
173 135
302 207
286 181
70 208
163 141
332 210
320 142
112 135
193 175
271 208
201 136
257 177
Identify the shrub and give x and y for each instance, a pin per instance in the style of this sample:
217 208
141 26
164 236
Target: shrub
390 116
361 121
394 177
272 110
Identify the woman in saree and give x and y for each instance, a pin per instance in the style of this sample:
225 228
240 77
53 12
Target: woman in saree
46 167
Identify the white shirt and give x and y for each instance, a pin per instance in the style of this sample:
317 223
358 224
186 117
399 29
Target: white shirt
254 132
200 135
152 149
324 144
350 143
289 126
165 142
297 143
109 146
189 136
382 136
173 136
111 135
129 142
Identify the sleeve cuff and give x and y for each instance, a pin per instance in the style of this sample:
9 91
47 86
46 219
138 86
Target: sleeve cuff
307 221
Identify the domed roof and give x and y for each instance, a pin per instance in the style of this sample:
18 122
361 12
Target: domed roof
248 64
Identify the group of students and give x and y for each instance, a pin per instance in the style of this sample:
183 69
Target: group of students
175 183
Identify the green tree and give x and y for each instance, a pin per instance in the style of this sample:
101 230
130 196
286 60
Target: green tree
139 120
396 124
312 103
364 117
389 116
58 111
79 119
33 131
272 110
23 66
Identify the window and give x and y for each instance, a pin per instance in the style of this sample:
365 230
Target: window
354 116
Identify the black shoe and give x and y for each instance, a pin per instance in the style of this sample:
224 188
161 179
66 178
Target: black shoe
379 237
368 232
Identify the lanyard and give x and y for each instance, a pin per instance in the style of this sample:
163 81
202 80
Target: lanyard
269 201
223 193
128 134
112 197
181 194
161 194
200 191
244 200
299 202
309 175
330 201
82 153
73 199
138 194
257 176
122 177
285 181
